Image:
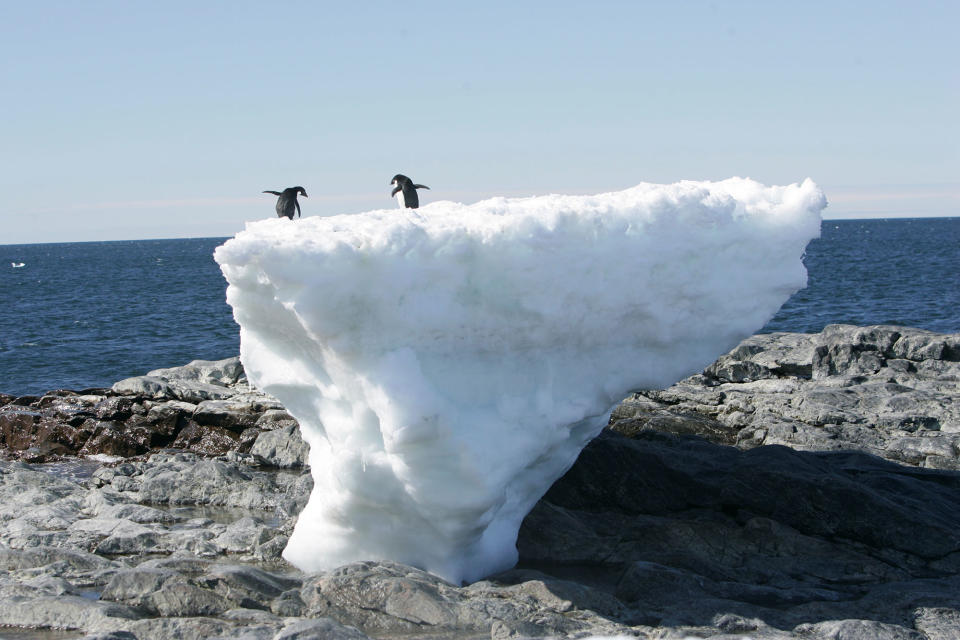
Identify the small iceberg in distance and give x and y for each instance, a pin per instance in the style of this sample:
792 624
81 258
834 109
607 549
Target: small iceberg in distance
447 364
17 265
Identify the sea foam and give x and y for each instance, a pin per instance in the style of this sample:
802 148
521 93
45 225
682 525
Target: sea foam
448 364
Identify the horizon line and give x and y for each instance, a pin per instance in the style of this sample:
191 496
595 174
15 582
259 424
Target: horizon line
154 239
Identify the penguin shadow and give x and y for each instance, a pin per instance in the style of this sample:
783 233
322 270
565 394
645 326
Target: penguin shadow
668 530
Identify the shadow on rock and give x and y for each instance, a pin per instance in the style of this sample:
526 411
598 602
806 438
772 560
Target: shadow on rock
682 532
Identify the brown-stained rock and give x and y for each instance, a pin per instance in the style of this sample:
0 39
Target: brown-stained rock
205 439
247 437
18 426
227 414
117 408
117 439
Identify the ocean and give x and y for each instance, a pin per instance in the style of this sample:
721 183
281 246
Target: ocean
86 314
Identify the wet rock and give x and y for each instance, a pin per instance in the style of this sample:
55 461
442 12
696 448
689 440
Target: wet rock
244 535
110 635
319 629
117 439
205 439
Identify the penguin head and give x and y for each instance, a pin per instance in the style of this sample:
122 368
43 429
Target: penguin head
301 191
399 180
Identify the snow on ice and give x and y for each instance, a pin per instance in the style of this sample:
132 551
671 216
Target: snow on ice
448 364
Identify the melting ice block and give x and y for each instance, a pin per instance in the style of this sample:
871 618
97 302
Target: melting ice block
447 364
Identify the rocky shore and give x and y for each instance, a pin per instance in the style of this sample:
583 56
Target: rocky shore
803 486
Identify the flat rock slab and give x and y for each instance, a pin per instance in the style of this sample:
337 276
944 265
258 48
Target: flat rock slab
890 391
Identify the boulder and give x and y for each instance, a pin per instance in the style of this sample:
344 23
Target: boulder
282 447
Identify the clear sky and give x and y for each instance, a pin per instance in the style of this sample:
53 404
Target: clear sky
126 120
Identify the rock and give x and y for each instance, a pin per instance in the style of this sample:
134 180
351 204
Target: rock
244 535
218 372
319 629
686 518
229 414
117 439
205 439
888 391
110 635
283 447
164 593
275 419
680 528
247 586
59 611
938 623
857 630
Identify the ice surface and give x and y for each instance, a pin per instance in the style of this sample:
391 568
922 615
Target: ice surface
448 363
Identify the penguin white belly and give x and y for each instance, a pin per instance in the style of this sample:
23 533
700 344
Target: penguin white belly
400 199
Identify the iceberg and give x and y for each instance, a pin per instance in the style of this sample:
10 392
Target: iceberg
447 364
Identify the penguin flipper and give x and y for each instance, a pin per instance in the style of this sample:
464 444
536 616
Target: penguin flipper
276 193
420 186
394 192
298 210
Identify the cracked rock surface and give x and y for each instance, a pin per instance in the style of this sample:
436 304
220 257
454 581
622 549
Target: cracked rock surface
803 486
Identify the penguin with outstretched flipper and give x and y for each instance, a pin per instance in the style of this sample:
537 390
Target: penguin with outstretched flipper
408 191
287 201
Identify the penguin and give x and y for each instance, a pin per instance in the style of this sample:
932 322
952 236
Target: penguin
408 191
288 200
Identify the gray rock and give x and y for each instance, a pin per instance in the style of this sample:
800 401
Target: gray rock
164 593
274 419
888 391
938 623
60 611
244 535
319 629
219 372
247 586
857 630
283 447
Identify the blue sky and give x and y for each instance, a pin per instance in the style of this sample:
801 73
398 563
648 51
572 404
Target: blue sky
156 120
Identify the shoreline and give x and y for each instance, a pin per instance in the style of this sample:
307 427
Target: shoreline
802 486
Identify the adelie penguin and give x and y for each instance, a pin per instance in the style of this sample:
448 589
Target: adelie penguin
408 191
287 201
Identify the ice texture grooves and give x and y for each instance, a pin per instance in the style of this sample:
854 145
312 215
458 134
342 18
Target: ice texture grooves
447 364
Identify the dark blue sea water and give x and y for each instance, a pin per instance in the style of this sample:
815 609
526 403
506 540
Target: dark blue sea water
88 314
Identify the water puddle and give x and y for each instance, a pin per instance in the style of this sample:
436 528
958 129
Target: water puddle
75 469
19 633
220 515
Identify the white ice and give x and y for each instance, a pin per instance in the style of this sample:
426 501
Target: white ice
447 364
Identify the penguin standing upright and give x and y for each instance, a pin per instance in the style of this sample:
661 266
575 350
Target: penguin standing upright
287 201
408 191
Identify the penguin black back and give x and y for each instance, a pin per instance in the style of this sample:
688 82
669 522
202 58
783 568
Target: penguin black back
287 202
408 191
